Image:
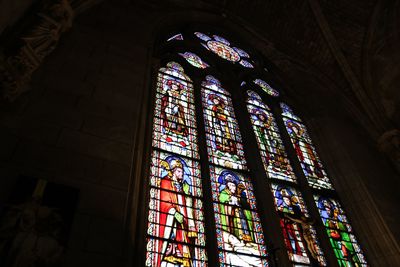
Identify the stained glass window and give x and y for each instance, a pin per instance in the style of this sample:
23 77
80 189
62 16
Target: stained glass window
176 221
222 47
297 227
194 60
239 233
202 36
174 120
176 228
177 37
246 64
305 150
224 143
221 39
266 87
223 50
344 243
276 162
176 231
241 52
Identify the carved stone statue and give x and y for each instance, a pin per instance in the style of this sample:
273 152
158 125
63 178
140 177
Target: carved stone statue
29 236
38 42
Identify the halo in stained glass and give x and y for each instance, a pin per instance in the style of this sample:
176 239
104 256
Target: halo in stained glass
246 64
177 37
202 36
224 51
241 52
194 60
221 39
266 87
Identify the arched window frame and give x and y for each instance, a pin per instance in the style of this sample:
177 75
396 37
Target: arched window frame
167 53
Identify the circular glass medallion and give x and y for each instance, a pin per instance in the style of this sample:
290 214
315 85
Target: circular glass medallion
223 51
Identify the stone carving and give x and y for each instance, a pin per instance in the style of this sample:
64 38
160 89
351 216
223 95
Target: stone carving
16 69
31 233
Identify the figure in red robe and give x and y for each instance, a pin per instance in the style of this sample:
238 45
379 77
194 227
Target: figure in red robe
304 151
177 227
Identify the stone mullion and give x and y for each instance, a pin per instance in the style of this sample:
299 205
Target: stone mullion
261 183
306 191
209 221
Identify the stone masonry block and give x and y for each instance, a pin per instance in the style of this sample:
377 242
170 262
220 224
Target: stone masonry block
95 146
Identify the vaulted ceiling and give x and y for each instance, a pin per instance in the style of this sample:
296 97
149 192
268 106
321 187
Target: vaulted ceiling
336 40
348 46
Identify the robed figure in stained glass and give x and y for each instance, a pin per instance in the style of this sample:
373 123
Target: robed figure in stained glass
222 126
304 150
236 217
274 150
296 228
338 233
236 221
177 227
173 103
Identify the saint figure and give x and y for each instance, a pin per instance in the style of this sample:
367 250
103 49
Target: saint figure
339 236
176 224
235 210
173 113
275 152
297 228
222 126
304 151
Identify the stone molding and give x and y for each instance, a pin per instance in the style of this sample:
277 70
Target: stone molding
36 42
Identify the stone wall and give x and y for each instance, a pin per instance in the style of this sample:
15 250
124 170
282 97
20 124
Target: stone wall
75 127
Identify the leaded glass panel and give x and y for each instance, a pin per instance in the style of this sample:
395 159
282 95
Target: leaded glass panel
194 60
175 220
272 150
297 227
239 233
305 150
176 37
246 64
266 87
174 127
224 143
340 233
